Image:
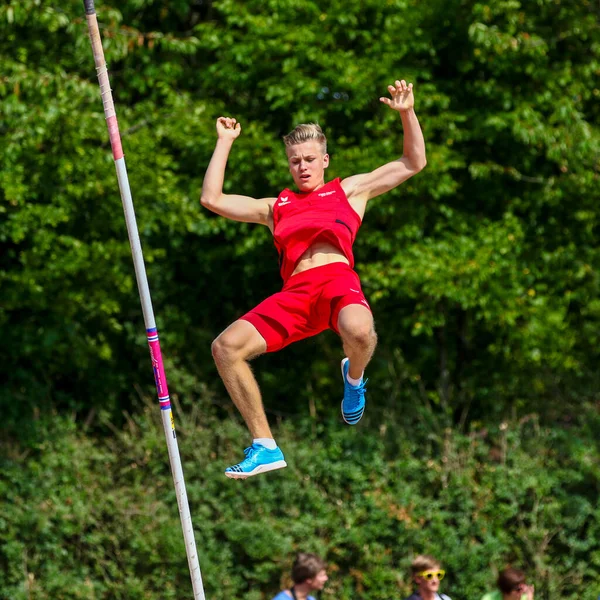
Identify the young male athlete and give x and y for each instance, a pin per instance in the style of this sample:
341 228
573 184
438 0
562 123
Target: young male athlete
313 229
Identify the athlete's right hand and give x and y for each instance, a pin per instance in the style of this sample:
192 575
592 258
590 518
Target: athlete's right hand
228 128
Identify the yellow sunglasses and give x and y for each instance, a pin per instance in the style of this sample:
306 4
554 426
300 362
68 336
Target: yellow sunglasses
429 575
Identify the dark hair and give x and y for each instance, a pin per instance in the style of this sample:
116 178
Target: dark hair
306 566
509 580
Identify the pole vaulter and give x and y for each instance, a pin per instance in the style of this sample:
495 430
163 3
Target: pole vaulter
144 291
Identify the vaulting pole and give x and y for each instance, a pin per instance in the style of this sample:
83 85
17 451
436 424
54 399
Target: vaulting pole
142 282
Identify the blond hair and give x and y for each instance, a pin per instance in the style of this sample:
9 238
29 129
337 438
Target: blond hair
306 132
424 562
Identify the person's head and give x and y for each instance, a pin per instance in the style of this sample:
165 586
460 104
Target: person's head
427 573
310 570
512 583
306 149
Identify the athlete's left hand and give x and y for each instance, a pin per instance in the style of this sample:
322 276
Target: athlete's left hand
402 97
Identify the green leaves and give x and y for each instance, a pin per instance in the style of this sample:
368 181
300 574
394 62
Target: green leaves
482 273
483 263
86 516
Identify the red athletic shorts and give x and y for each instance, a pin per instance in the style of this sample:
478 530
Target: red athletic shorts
309 303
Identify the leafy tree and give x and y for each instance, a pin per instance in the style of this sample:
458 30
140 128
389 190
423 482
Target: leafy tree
481 271
88 518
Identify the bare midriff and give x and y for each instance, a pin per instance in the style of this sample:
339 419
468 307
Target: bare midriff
319 254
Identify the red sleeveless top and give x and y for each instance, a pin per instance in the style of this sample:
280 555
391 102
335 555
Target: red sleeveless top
301 219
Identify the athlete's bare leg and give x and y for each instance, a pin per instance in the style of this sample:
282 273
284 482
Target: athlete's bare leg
357 330
232 350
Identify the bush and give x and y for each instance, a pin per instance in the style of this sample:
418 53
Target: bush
87 517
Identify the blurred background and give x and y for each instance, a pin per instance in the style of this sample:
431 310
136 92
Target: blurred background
480 444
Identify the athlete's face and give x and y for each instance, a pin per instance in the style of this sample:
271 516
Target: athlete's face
307 165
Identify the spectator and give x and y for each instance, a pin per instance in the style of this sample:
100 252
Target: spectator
427 574
309 574
512 585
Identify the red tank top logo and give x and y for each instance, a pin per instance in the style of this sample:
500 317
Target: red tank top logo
300 220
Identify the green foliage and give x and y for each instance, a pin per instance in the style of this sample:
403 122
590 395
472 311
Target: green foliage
89 518
482 272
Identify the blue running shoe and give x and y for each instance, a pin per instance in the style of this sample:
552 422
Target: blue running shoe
258 460
353 404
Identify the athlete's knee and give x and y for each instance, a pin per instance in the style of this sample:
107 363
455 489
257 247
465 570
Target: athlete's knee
360 334
226 348
237 342
220 349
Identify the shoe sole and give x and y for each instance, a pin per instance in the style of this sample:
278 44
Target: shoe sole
280 464
344 361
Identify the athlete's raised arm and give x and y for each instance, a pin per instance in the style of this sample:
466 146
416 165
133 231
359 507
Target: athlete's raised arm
231 206
361 188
